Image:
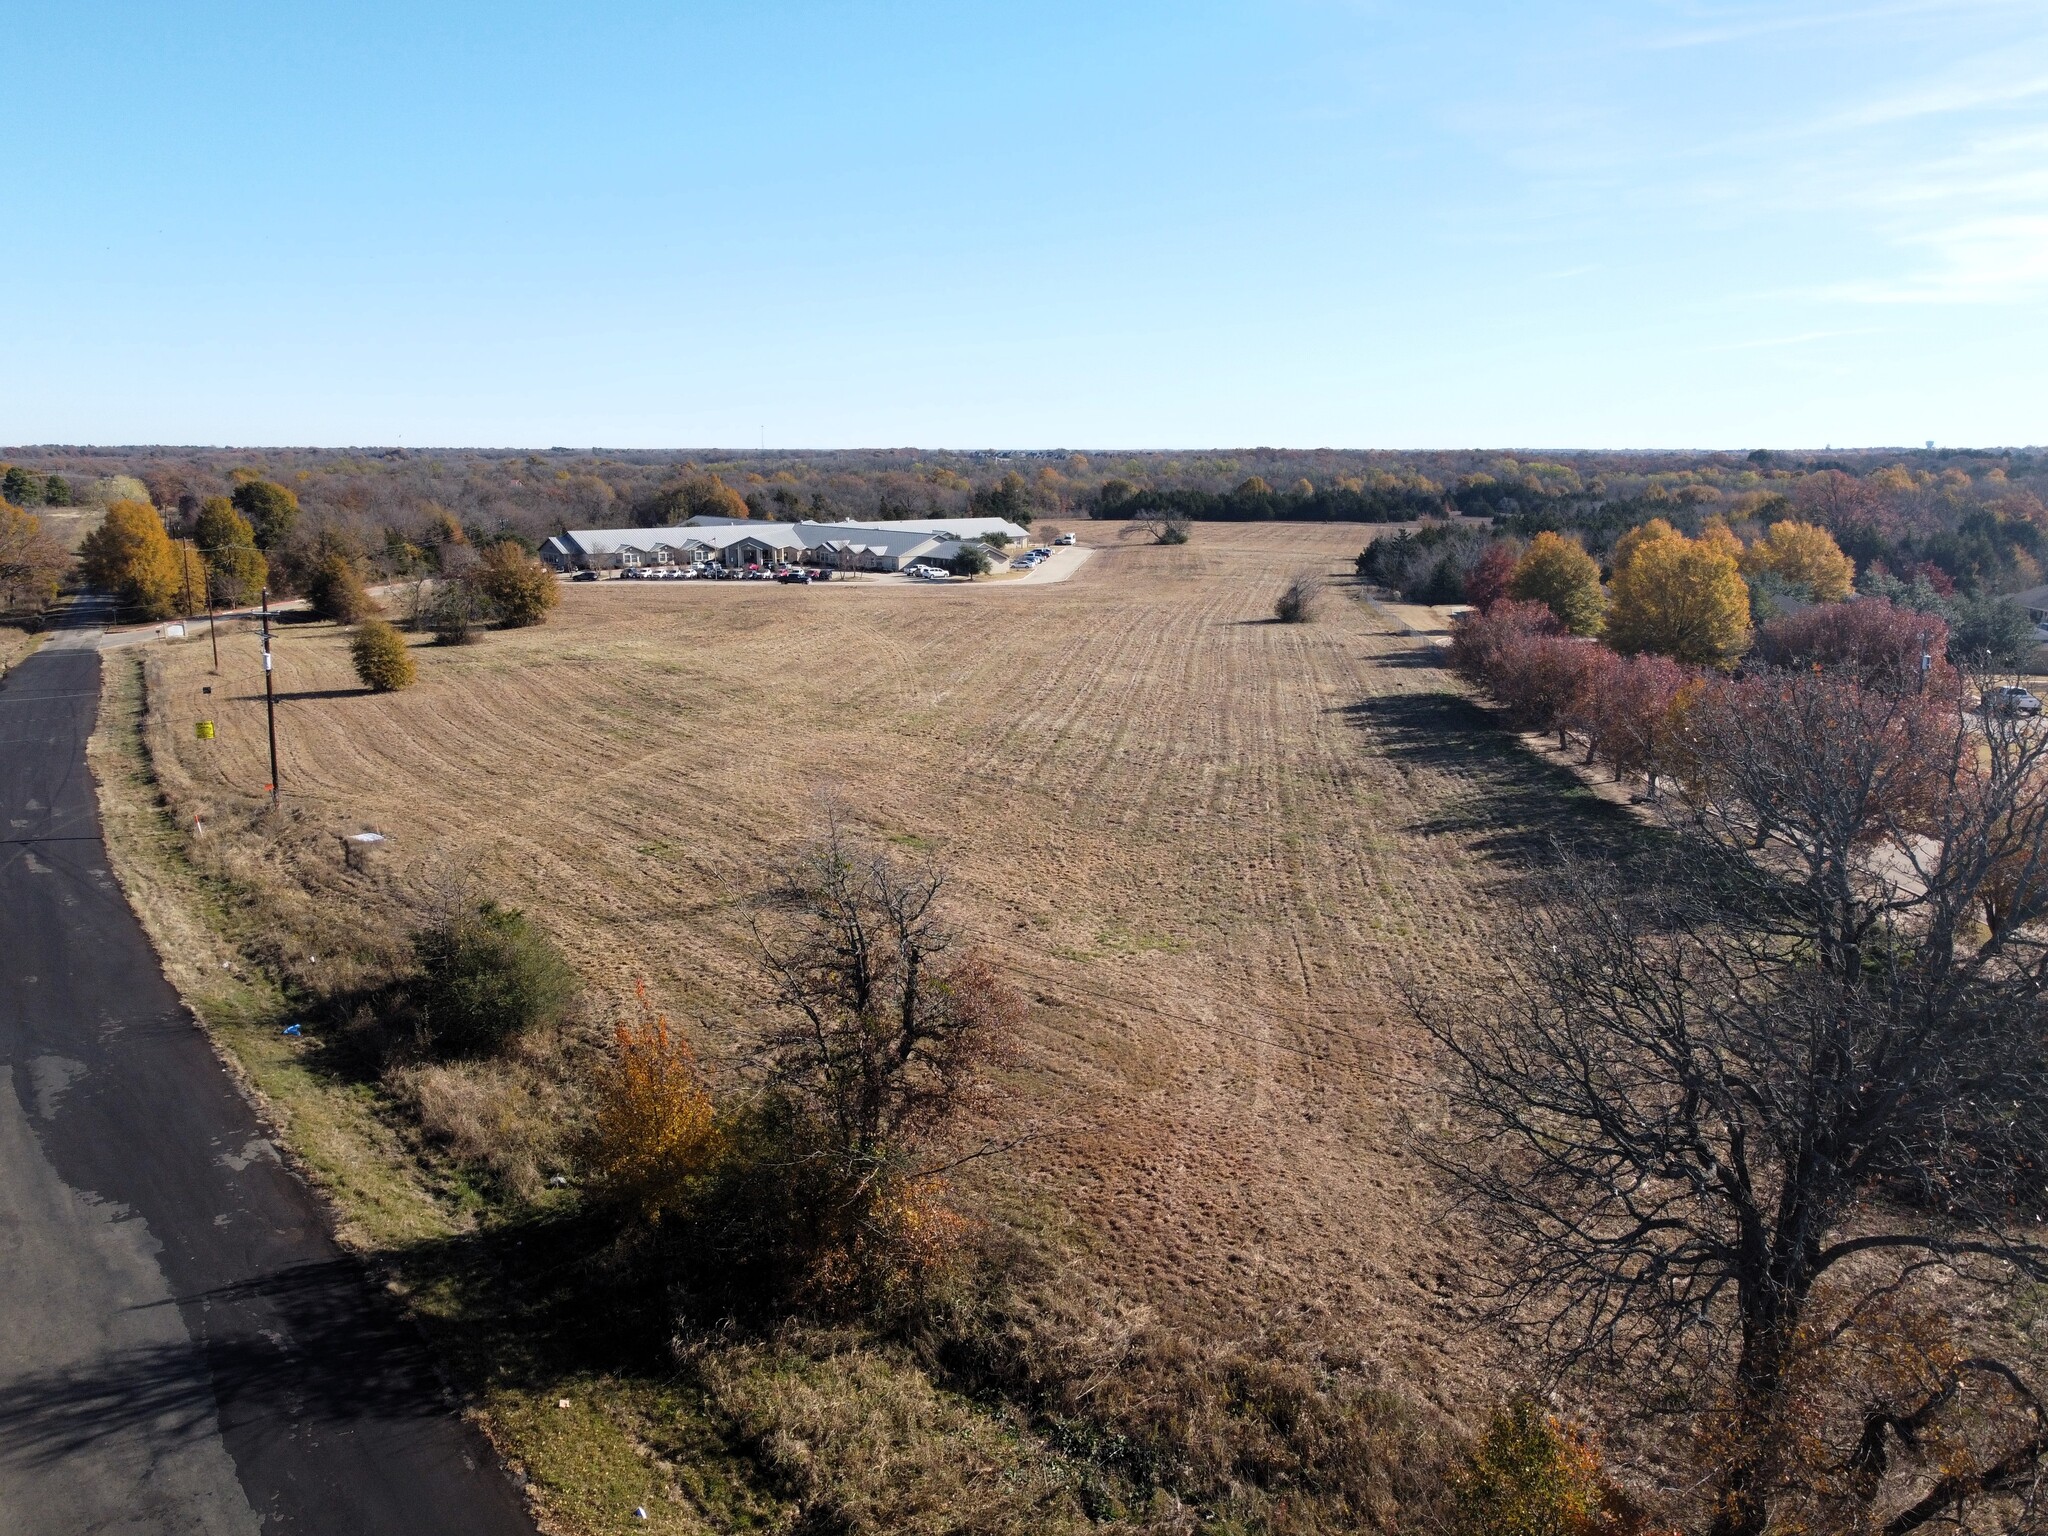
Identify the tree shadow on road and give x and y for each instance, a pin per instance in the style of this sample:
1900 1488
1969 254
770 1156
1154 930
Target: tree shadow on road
293 1345
518 1305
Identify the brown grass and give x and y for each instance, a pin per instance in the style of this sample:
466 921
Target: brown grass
1208 846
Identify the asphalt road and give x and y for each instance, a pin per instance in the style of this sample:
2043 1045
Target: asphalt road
182 1346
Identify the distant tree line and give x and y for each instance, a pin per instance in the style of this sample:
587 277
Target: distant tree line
1252 500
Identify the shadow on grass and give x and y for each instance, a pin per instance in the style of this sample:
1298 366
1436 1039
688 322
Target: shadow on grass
521 1303
1422 654
1510 806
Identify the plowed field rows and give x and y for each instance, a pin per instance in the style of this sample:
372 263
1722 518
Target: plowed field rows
1208 845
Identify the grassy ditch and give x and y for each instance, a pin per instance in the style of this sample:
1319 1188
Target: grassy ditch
1019 1399
420 1220
16 646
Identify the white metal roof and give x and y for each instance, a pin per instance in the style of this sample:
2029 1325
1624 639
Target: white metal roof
893 538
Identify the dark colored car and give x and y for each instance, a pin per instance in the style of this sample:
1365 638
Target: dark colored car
584 576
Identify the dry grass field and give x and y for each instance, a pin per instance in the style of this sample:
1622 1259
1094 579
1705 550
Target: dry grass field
1210 847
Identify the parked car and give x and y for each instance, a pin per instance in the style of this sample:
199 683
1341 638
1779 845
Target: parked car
790 576
822 573
2010 699
584 576
1065 538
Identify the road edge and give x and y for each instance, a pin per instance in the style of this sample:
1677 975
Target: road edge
132 817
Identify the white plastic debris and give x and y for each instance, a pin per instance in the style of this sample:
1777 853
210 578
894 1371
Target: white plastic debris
640 1513
562 1402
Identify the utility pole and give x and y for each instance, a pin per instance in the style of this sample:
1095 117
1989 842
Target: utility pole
269 698
190 555
212 628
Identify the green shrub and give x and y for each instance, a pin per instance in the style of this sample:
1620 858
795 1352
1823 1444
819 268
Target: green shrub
457 612
1530 1475
236 571
486 975
270 510
382 660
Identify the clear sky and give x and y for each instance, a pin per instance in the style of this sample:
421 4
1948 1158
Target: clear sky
1297 223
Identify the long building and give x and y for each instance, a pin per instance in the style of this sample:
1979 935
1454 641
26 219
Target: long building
741 542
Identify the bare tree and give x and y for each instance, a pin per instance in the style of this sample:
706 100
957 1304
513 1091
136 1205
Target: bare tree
1756 1135
888 1019
1165 527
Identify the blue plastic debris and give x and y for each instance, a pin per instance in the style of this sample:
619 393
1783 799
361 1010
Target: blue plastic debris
291 1029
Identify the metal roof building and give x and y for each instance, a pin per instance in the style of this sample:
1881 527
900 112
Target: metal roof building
746 541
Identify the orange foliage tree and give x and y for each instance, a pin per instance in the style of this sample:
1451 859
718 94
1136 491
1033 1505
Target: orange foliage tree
657 1134
130 556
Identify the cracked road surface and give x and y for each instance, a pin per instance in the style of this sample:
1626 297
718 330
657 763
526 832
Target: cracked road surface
183 1348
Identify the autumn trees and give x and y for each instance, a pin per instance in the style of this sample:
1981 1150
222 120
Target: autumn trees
1764 1120
1679 597
381 659
1559 574
32 562
236 569
822 1187
131 556
335 589
1625 708
1805 557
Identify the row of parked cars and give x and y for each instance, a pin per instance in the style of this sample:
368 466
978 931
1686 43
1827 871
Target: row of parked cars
706 570
1031 559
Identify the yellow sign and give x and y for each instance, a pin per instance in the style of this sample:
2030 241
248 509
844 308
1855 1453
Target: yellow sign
203 730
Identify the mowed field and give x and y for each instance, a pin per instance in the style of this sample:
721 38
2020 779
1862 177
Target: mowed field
1211 848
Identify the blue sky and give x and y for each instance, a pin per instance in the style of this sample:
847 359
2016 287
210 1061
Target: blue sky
1298 223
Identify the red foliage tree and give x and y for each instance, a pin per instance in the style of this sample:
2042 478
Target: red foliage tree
1544 679
1478 637
1632 711
1487 582
1870 641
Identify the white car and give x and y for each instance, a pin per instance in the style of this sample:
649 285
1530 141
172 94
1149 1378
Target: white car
2010 699
1066 538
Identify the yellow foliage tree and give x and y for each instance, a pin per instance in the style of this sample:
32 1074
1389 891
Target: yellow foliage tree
1804 554
1626 546
1682 598
1564 578
131 556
